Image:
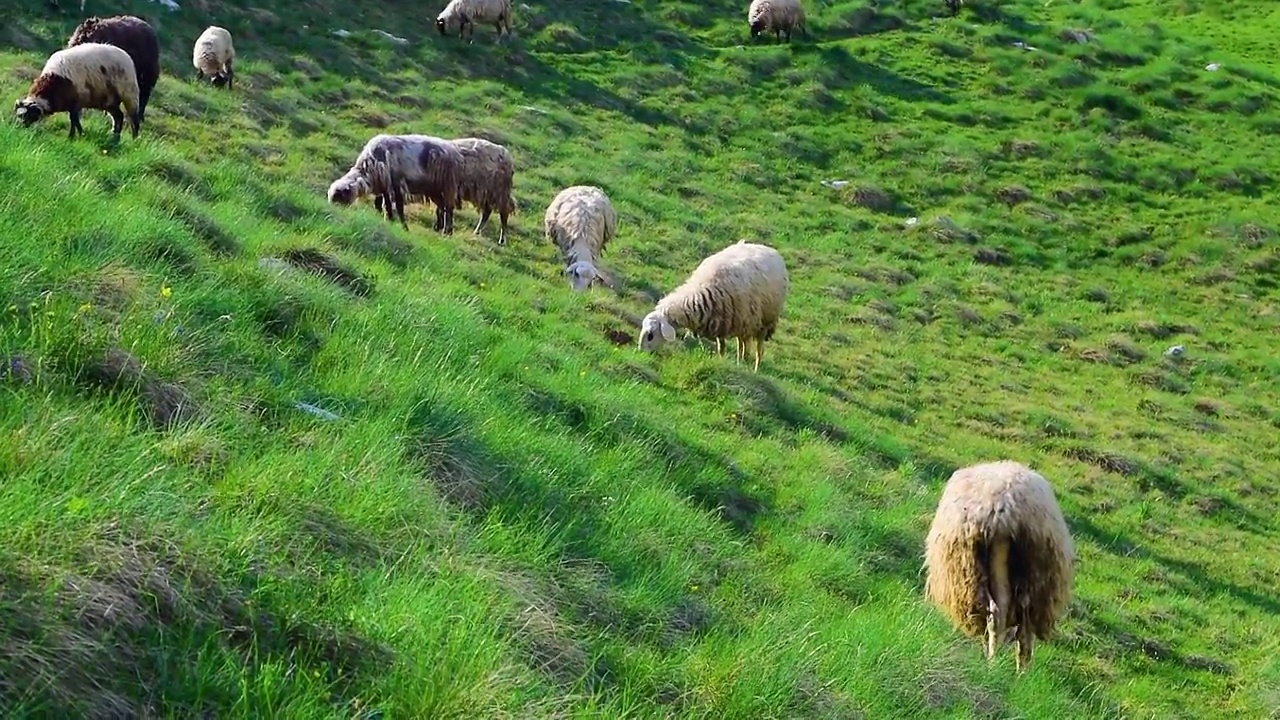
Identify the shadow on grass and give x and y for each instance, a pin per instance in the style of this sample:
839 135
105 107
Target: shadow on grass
486 485
118 640
1196 581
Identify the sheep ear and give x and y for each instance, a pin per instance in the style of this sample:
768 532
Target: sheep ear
668 331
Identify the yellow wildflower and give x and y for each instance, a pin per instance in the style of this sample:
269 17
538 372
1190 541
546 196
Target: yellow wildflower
166 291
85 307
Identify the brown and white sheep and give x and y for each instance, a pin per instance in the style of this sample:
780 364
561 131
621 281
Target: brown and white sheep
214 55
485 180
466 13
397 167
133 35
739 292
781 16
91 76
999 556
581 221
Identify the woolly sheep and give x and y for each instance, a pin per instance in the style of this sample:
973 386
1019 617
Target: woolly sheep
999 556
214 55
781 16
737 292
398 167
581 221
484 180
133 35
91 76
466 13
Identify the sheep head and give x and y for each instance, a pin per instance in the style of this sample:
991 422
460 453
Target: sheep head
346 190
29 110
655 330
581 274
757 27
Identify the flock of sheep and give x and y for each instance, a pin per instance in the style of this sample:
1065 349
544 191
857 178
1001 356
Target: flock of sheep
999 556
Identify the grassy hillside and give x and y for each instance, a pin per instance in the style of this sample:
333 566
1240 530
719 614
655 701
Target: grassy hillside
501 508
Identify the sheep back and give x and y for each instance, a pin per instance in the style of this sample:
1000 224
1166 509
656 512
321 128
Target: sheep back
739 292
133 35
213 50
486 176
780 14
580 221
90 76
999 509
475 11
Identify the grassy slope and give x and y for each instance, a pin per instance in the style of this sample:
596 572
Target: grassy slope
515 516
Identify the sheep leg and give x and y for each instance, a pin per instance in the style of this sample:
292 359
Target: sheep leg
135 121
502 233
231 75
117 121
720 346
448 220
76 127
439 225
398 198
998 591
1023 641
759 344
484 218
742 351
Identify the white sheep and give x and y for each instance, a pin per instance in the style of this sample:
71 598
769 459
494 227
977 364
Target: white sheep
398 167
214 55
781 16
999 556
464 13
89 76
737 292
581 221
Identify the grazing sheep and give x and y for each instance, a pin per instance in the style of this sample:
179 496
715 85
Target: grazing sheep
1000 558
781 16
737 292
581 221
398 167
91 76
466 13
214 55
484 180
133 35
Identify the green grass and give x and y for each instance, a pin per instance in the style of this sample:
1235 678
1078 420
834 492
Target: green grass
520 515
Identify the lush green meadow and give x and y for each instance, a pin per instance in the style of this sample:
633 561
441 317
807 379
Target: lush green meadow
501 508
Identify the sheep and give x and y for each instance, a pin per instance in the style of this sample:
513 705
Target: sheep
133 35
954 7
90 76
737 292
781 16
469 12
581 221
214 54
999 556
397 167
484 180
